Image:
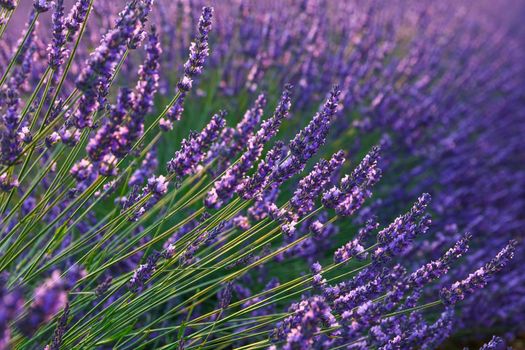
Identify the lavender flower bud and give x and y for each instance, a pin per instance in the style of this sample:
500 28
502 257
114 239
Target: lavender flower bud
76 17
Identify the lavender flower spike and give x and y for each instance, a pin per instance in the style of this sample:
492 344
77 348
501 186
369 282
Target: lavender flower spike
194 148
56 50
226 186
479 278
76 17
311 186
199 51
42 5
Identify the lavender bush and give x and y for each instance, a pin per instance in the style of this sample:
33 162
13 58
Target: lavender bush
236 174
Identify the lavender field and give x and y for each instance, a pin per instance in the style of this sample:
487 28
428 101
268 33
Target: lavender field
230 174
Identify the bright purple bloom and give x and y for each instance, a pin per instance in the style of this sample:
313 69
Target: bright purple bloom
311 186
224 188
76 17
42 5
194 148
355 189
199 51
56 50
479 278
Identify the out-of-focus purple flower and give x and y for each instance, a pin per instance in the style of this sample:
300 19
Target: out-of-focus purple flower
42 5
49 298
145 170
8 4
225 296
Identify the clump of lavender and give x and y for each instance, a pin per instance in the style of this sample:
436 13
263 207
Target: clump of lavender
107 249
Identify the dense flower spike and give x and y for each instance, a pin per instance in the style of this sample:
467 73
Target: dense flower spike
478 279
56 51
311 186
95 77
199 51
76 17
226 186
194 148
355 188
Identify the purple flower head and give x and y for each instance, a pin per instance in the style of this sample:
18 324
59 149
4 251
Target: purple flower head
56 50
143 273
438 268
398 236
194 148
496 343
76 17
311 186
147 168
479 278
225 296
199 51
299 331
94 79
254 184
49 298
227 185
8 4
308 141
42 5
355 189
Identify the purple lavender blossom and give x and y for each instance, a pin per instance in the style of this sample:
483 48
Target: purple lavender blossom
199 51
225 187
479 278
355 189
56 50
311 186
95 78
308 141
194 148
76 17
496 343
8 4
308 316
146 169
48 299
143 273
42 5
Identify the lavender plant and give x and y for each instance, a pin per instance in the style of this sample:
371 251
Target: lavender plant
261 210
